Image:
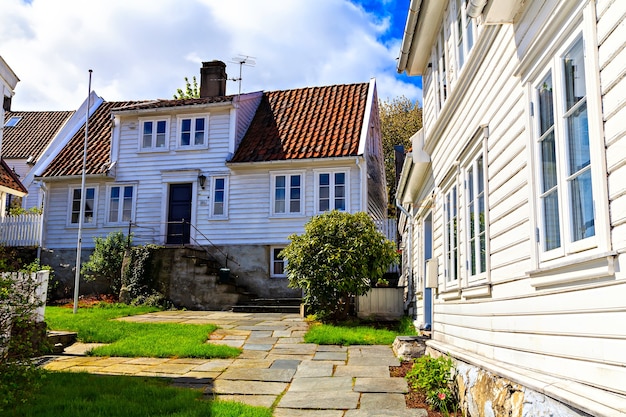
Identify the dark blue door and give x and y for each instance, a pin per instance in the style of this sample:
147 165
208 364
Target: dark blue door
179 213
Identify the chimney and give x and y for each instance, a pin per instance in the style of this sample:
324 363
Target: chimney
213 79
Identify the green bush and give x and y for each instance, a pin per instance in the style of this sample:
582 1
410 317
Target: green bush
106 260
339 256
435 378
139 278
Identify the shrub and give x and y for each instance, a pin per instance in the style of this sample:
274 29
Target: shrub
106 260
339 256
435 377
21 337
139 277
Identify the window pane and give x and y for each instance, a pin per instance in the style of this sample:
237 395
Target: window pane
185 132
548 162
324 192
114 204
577 128
324 179
279 194
340 178
551 226
127 209
185 138
185 125
546 108
218 209
219 194
199 138
324 205
160 138
340 204
147 135
574 68
200 125
583 223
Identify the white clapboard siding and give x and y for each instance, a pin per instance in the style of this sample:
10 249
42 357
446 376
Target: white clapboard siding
20 230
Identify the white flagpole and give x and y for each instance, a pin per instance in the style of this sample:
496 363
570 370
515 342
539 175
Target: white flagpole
82 201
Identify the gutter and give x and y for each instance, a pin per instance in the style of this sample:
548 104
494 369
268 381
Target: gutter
409 249
409 31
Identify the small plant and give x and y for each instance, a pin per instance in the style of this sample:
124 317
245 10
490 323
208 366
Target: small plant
382 282
435 378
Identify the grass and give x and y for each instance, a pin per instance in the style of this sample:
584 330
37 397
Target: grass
357 333
130 339
81 394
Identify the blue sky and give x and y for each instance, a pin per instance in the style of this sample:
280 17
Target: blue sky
143 49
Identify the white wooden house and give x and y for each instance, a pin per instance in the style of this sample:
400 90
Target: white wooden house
10 184
514 200
235 175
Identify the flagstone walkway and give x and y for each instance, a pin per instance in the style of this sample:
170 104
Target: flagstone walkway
276 366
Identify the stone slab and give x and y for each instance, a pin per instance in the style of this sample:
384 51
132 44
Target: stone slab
322 384
81 348
377 371
251 363
377 401
221 386
214 365
294 412
333 400
373 361
409 412
285 364
299 349
330 356
390 385
258 374
311 369
251 346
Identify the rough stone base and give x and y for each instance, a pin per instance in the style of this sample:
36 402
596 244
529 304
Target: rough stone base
485 394
409 347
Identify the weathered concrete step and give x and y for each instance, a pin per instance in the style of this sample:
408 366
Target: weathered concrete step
59 340
275 301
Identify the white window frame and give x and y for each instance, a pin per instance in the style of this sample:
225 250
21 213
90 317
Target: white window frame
192 133
213 214
120 215
451 237
554 68
465 28
443 86
153 145
273 261
332 189
288 188
471 203
70 205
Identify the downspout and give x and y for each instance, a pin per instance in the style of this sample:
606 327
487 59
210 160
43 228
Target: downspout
475 7
42 196
409 250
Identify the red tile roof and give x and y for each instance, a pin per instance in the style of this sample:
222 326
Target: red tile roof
69 161
315 122
32 134
9 179
161 103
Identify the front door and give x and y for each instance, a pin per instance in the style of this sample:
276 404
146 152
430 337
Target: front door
179 213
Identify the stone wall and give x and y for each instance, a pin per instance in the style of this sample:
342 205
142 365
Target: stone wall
485 394
187 276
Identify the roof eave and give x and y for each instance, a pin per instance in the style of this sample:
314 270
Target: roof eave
422 26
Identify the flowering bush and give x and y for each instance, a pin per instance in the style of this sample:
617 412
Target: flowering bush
435 377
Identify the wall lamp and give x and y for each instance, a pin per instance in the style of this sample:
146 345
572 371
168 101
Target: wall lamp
202 180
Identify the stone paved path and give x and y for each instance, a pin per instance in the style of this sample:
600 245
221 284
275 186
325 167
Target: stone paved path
276 366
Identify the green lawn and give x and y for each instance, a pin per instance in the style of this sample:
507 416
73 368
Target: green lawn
356 333
80 394
130 339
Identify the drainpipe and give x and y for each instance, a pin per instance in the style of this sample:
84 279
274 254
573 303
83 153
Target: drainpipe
409 250
475 7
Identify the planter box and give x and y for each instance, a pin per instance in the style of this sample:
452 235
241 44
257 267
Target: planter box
381 304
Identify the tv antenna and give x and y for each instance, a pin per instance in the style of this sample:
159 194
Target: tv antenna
247 60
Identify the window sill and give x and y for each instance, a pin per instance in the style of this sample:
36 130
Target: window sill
477 291
286 216
192 148
448 295
574 271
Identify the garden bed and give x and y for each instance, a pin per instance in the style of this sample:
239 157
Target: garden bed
413 399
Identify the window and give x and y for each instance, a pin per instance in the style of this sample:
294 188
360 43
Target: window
12 121
121 203
451 241
565 186
464 27
332 191
476 218
277 263
154 134
287 193
90 205
193 131
219 206
442 74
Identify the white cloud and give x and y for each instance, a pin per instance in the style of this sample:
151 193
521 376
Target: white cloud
142 49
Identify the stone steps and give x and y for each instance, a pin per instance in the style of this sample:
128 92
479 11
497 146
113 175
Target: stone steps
269 305
59 340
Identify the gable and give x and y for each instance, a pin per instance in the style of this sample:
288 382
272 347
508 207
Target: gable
9 182
315 122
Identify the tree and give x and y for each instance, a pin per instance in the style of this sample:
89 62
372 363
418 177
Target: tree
191 90
400 118
340 255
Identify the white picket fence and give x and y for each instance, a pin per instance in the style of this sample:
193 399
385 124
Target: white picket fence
21 230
